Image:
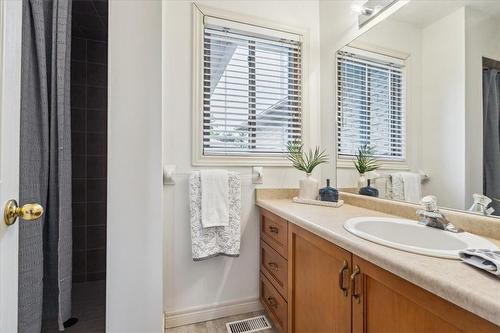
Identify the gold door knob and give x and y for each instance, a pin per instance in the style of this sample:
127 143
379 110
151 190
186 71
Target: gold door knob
28 212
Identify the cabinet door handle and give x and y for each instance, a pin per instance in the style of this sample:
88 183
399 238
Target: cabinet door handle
272 302
273 229
343 269
355 272
273 266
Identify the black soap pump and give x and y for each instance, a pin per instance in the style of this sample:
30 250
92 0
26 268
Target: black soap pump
329 193
368 190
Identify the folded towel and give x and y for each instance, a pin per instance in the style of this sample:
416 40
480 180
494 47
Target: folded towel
489 260
412 185
404 186
214 198
210 242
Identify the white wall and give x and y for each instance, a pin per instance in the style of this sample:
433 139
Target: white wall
189 285
135 224
443 108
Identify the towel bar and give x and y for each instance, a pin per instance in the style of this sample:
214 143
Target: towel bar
170 173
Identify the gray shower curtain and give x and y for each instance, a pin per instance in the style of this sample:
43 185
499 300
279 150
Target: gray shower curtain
45 165
491 137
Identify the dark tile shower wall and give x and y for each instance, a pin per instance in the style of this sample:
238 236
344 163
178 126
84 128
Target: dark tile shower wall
89 138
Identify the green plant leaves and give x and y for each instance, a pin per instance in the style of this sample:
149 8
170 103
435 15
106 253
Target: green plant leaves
305 161
364 159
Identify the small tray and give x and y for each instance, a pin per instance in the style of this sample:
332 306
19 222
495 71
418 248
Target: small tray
318 202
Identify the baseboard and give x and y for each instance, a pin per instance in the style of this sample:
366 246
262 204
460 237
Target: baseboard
211 312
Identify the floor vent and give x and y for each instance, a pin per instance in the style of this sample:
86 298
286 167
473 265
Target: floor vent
248 325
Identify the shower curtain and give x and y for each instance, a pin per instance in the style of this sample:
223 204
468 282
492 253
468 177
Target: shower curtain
491 137
45 246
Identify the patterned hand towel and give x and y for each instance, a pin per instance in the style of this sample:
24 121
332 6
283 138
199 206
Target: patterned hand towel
395 187
489 260
220 240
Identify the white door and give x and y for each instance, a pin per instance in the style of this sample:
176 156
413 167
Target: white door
10 99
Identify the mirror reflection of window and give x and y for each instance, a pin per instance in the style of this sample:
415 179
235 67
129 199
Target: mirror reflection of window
370 102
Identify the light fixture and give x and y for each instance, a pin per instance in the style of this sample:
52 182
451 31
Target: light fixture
363 10
367 11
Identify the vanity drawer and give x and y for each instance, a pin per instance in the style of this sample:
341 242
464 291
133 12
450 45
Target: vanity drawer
274 231
275 305
274 267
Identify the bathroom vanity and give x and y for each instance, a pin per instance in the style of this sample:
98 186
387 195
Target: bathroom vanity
317 277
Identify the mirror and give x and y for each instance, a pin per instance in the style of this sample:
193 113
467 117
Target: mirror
420 92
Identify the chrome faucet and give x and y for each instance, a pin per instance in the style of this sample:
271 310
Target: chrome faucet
431 216
481 205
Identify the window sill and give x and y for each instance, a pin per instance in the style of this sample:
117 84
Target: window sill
384 165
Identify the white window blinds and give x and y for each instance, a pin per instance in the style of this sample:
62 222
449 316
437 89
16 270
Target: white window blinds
370 104
251 89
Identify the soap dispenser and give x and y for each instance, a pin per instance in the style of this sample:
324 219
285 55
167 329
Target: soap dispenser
329 193
369 190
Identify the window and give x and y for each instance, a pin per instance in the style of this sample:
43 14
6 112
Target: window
370 104
252 90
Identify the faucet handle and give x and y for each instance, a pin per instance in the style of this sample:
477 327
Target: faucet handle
430 203
429 213
450 227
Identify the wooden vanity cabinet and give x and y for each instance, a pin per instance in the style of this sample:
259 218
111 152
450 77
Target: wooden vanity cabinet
318 284
384 302
310 285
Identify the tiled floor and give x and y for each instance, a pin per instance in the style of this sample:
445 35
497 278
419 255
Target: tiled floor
89 306
215 326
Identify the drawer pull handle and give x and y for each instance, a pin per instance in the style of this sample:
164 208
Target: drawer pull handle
272 302
355 272
273 229
273 266
343 269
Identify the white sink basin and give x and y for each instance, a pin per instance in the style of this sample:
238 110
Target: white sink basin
410 236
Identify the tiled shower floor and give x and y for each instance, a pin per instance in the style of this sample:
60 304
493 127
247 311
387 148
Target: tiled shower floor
89 306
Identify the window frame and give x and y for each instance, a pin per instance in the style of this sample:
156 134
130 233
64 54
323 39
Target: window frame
251 159
345 161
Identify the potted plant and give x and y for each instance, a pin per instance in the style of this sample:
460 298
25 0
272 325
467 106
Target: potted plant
365 162
306 161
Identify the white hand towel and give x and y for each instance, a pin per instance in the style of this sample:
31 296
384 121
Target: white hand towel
214 198
489 260
412 186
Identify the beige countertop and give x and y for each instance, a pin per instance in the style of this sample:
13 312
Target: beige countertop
453 280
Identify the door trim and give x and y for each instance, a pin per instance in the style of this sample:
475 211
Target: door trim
10 99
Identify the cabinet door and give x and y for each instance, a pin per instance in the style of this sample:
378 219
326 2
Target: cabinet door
318 276
383 302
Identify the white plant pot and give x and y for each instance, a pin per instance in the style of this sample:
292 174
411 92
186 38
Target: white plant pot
308 188
362 180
